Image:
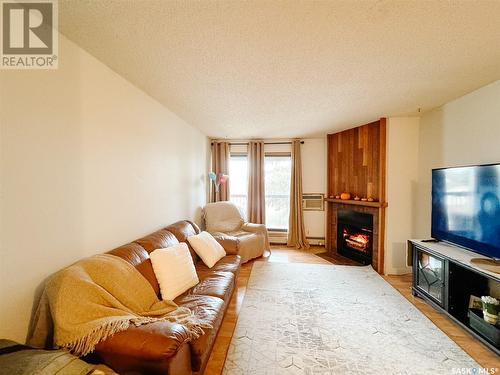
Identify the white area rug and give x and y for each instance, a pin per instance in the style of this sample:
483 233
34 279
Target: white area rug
327 319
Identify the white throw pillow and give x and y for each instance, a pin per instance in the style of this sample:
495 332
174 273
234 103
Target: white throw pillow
207 248
174 270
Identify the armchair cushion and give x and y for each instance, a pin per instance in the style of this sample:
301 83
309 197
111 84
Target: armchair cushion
250 245
222 217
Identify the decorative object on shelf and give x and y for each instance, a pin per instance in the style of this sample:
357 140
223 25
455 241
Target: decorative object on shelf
356 198
491 307
218 179
370 199
475 303
364 199
337 197
488 331
345 196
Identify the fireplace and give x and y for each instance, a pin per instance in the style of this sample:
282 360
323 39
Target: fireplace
355 235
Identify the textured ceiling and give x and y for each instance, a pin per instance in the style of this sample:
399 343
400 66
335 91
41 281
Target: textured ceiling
291 68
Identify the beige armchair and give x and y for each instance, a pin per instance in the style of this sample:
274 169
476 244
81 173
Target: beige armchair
224 221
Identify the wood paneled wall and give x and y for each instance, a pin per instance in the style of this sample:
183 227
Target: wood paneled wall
356 161
356 165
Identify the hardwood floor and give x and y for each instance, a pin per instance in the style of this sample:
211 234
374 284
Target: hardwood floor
475 349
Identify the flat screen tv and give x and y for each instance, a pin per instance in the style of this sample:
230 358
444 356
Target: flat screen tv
466 207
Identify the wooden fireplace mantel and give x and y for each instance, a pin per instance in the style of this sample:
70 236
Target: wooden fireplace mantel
357 203
356 164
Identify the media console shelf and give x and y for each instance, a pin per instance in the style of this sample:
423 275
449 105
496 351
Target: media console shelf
445 277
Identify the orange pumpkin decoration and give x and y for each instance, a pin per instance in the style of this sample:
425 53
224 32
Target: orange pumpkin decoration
345 196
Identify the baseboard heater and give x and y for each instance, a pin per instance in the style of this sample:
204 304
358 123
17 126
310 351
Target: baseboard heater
279 238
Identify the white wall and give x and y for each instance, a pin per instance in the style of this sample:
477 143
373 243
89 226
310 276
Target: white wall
402 175
88 162
314 181
462 132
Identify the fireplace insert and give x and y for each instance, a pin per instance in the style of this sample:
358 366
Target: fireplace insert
355 235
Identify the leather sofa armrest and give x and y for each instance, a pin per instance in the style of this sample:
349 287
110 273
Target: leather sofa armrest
230 244
155 342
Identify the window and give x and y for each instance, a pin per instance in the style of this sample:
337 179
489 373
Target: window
238 180
277 169
277 184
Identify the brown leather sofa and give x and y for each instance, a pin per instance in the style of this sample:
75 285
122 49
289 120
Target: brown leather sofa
164 347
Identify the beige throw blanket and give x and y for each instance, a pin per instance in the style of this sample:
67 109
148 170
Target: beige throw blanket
97 297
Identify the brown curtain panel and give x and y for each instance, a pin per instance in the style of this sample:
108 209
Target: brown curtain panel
296 231
256 193
220 164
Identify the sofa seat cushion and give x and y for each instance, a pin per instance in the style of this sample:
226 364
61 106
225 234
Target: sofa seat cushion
154 343
211 310
230 263
214 284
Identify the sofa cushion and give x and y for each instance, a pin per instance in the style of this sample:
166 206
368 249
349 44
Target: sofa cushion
160 239
182 230
174 270
230 263
230 244
215 284
210 309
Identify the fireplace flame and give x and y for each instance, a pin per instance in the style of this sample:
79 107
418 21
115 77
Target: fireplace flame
357 241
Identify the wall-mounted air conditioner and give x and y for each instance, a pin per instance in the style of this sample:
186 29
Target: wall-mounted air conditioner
313 201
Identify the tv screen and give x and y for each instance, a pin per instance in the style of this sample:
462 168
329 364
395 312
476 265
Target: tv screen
466 207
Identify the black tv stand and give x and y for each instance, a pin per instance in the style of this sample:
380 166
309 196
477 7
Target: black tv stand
445 276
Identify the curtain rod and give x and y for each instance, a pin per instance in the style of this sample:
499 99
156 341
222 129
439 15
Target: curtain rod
266 143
